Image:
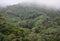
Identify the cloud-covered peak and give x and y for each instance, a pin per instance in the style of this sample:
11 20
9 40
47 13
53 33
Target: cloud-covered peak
54 3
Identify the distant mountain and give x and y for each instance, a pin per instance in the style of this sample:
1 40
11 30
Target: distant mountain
29 12
26 10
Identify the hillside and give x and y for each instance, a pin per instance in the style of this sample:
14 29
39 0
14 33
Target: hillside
29 23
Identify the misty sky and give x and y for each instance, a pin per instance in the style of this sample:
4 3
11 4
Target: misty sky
55 3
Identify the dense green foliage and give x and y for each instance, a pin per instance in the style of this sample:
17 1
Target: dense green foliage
29 23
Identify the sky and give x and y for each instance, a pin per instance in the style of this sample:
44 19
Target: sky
55 3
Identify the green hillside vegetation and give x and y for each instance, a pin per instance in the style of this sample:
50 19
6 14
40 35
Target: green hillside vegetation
29 23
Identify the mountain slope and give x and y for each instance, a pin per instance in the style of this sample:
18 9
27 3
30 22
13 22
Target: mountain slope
29 23
30 12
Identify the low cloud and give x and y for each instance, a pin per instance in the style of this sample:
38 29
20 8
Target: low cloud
54 3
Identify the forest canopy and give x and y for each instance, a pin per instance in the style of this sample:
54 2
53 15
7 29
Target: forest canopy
29 23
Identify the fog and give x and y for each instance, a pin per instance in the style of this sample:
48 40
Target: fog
53 3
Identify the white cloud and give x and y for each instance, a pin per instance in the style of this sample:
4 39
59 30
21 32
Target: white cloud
9 2
55 3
